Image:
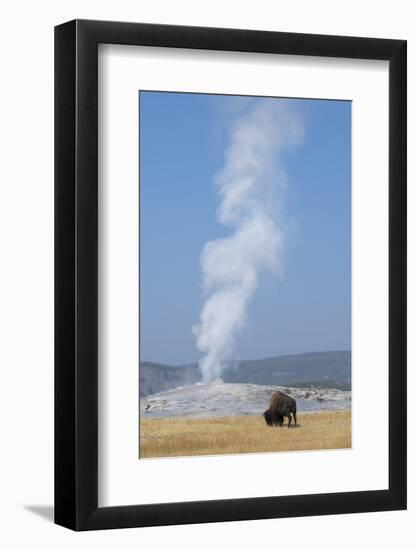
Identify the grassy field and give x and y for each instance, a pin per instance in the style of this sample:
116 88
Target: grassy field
245 434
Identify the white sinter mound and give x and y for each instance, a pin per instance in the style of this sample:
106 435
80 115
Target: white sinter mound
220 399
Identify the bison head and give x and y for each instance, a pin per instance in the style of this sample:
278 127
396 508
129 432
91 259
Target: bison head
268 418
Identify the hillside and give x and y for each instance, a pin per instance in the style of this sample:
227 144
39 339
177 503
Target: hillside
156 377
330 369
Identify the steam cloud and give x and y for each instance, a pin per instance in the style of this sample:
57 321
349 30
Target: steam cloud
250 186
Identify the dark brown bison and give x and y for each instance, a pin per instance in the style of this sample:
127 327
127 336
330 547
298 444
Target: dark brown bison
281 406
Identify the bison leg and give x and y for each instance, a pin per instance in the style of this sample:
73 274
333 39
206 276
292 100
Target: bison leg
295 418
289 419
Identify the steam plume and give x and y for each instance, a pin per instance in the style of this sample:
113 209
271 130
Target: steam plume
250 186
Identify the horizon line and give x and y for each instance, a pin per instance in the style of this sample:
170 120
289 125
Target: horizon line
248 360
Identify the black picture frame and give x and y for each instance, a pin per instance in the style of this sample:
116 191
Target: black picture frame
76 274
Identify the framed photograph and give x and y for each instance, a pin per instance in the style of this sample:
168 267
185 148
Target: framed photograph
230 275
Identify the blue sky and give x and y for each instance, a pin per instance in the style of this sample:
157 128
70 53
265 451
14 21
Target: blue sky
182 142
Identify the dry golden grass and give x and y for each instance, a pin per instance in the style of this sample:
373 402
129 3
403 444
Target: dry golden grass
245 434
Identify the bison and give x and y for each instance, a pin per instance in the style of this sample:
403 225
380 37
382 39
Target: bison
281 406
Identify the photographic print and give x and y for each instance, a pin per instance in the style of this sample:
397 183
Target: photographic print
245 274
203 288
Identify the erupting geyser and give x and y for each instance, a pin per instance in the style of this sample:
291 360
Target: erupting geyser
250 188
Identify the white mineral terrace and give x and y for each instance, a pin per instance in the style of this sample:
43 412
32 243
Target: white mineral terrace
220 399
